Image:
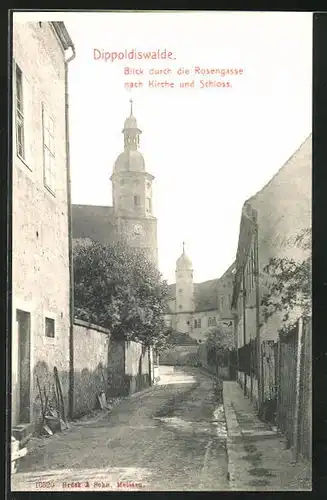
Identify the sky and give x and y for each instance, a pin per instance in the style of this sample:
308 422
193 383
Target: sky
209 149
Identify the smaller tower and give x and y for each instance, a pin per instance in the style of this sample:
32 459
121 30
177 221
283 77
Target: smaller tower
184 293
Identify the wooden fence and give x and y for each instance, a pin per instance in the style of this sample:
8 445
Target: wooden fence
294 401
286 379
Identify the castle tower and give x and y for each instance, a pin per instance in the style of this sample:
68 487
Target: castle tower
132 192
184 293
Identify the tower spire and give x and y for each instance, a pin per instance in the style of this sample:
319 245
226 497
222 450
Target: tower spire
131 102
183 246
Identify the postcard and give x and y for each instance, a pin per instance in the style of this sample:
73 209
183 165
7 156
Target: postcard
161 251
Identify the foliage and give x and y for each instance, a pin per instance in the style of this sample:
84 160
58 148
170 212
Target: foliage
119 288
219 337
289 284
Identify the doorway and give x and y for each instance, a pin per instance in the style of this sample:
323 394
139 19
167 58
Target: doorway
23 321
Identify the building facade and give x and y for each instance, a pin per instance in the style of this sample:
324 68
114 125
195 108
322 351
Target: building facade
131 216
270 223
40 221
192 308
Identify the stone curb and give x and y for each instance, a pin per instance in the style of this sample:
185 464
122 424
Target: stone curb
233 431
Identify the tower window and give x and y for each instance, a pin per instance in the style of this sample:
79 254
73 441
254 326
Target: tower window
137 200
195 324
148 205
199 323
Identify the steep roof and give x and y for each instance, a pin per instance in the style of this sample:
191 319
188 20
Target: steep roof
95 222
205 295
281 208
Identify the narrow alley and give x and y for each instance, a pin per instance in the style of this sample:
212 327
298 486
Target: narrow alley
171 437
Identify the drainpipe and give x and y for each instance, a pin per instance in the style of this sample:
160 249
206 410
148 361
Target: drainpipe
244 324
257 303
70 246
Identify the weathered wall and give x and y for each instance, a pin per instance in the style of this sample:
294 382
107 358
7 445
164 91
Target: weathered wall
116 369
40 273
90 365
180 355
284 210
137 367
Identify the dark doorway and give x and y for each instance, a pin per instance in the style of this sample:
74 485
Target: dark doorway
24 365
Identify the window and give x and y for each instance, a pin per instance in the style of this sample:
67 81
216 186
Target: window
148 204
212 321
180 290
199 323
48 150
49 327
195 324
137 200
20 129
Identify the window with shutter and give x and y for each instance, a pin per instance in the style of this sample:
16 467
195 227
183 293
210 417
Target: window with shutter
48 150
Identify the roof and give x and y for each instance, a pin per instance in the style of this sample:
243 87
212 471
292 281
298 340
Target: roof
184 262
95 222
276 207
205 295
130 161
62 34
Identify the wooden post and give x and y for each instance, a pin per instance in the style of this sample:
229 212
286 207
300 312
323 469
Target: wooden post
297 388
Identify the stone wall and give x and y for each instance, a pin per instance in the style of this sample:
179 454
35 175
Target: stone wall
40 264
90 365
137 367
180 355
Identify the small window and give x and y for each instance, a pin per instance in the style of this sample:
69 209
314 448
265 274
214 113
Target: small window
199 323
137 200
20 125
148 204
195 324
49 327
48 150
180 290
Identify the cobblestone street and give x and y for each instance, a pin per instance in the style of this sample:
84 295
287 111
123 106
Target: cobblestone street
171 437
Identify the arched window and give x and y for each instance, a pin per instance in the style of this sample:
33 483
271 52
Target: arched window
209 321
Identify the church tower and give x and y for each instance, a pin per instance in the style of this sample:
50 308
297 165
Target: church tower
132 192
184 293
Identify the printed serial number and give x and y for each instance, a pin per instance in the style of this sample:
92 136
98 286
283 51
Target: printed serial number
45 484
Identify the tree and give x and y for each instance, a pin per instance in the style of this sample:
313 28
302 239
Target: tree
289 284
219 337
119 288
